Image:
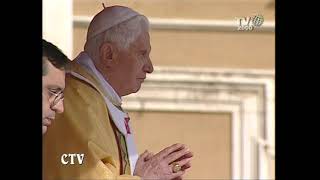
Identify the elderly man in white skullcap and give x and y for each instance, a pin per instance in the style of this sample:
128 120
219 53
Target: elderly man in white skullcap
93 138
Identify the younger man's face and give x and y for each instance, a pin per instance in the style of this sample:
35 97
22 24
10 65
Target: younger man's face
53 84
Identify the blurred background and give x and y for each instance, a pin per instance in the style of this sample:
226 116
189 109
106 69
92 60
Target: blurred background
213 85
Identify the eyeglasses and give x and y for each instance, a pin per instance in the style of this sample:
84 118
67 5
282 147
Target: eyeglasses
57 97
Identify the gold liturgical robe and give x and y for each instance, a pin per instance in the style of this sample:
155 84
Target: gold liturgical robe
84 128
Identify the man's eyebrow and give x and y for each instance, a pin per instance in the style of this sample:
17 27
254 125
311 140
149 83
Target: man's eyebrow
55 88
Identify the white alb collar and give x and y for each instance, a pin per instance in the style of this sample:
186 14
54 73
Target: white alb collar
84 60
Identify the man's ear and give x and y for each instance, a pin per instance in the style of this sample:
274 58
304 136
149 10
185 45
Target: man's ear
105 53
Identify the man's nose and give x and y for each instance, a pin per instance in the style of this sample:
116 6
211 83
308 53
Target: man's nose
148 68
58 108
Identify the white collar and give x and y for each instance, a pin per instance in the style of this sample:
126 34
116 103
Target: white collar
84 60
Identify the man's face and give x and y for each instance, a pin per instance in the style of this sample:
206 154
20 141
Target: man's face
53 84
132 66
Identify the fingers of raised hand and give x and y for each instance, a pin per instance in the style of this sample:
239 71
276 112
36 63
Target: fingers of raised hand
182 163
178 155
165 152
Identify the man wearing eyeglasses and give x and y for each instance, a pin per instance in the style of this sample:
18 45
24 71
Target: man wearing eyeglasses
54 64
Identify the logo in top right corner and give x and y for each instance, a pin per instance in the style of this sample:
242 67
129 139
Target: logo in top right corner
249 23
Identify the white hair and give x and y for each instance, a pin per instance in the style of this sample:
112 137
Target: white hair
122 35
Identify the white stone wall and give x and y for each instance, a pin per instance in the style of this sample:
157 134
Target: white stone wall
57 23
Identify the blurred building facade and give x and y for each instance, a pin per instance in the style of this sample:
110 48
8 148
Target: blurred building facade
212 88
